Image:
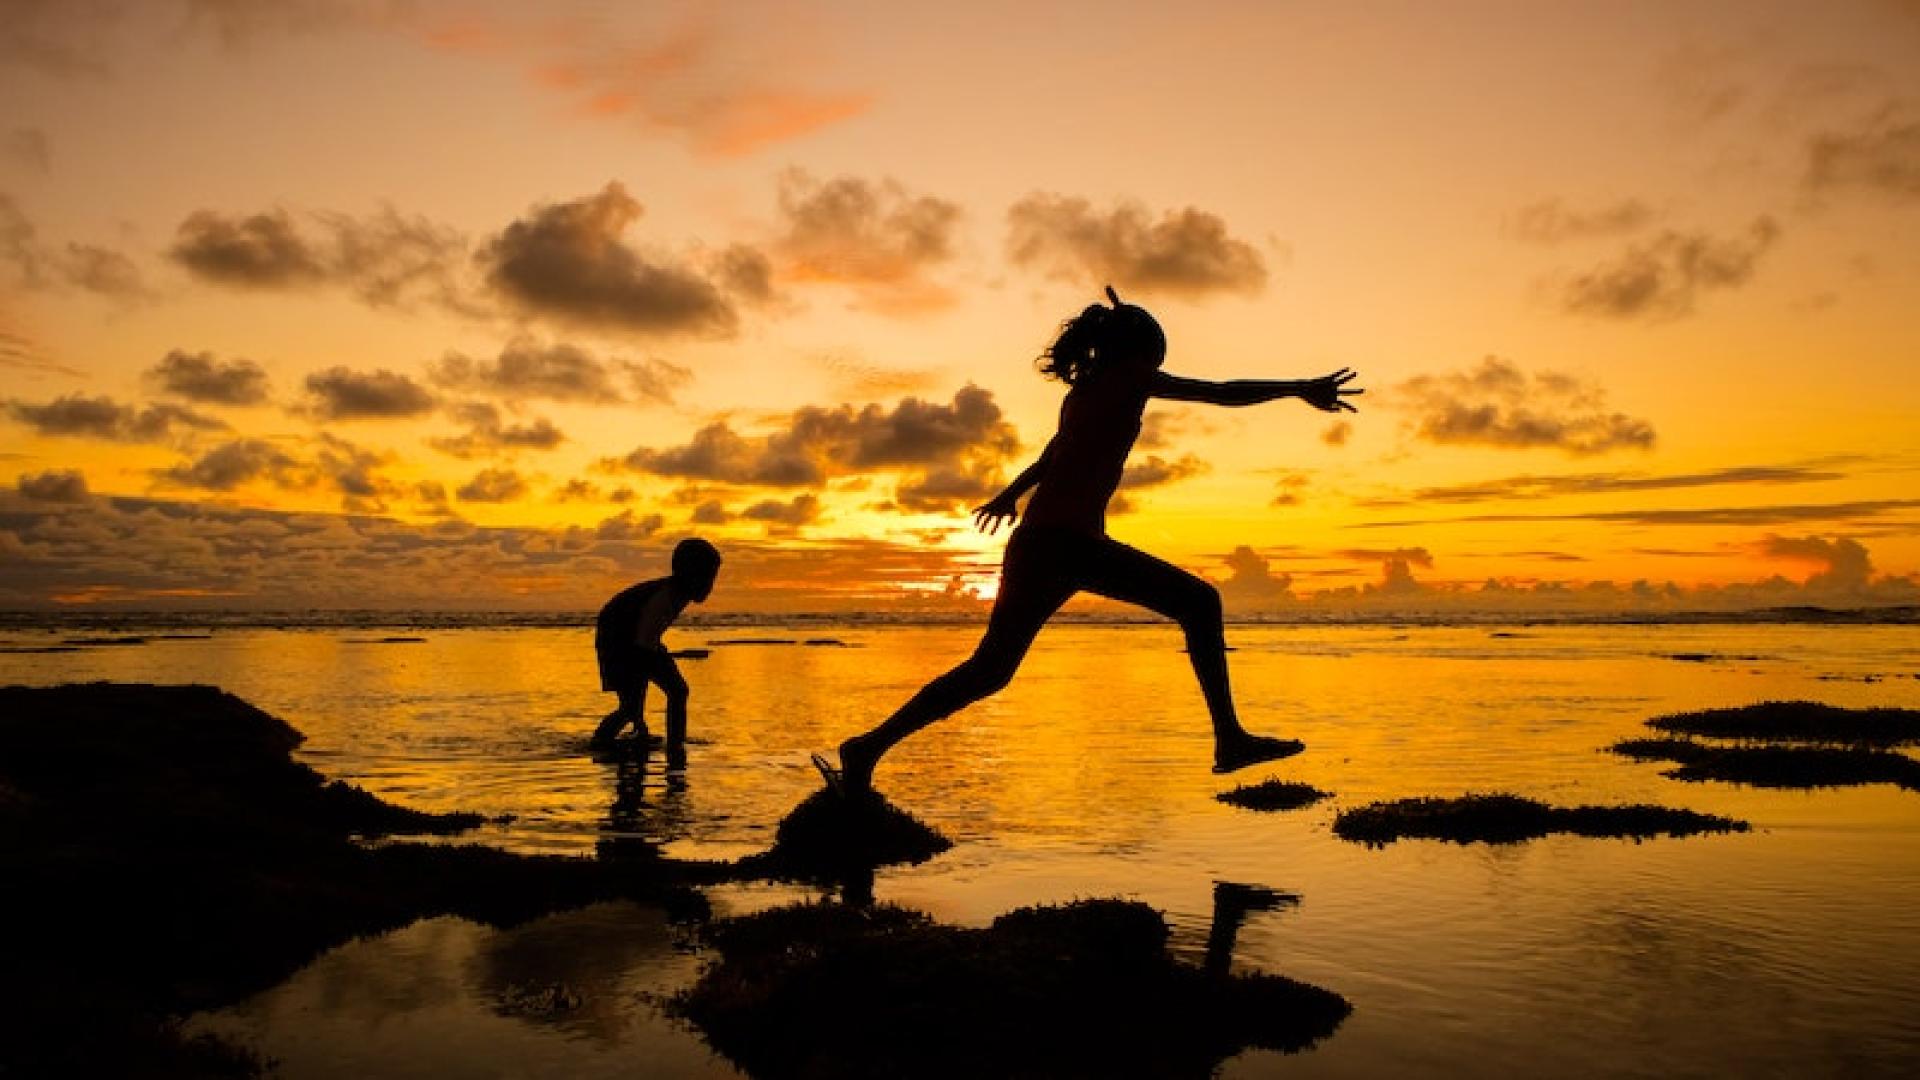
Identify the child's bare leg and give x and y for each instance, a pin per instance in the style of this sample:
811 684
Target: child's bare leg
1018 614
629 711
675 689
1127 574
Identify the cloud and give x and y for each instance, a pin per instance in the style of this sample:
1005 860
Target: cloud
1149 472
1663 277
568 261
259 251
385 260
1544 487
1845 563
1288 487
28 148
103 418
201 378
526 369
493 486
487 434
1337 433
872 235
1706 515
1551 222
53 486
1251 582
724 94
710 512
949 486
1497 404
813 444
32 265
1411 556
785 516
1882 158
341 394
232 464
1186 253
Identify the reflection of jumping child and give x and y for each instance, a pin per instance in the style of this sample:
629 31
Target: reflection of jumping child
1110 359
627 639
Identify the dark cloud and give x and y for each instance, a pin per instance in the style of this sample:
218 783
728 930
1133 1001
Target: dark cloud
578 490
199 377
232 464
353 472
387 259
1411 556
1882 157
1543 487
1552 222
1337 433
1186 253
814 444
1251 582
53 486
260 251
569 261
710 512
1664 276
493 486
1150 472
103 418
949 486
1497 404
873 235
1844 562
342 394
787 515
29 264
1721 515
488 434
561 372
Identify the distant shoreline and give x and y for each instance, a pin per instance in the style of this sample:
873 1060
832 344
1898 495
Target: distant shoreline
93 620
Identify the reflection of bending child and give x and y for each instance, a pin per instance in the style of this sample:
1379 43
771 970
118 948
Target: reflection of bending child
1110 359
627 640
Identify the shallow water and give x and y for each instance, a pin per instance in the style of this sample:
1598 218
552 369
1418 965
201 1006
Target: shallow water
1786 951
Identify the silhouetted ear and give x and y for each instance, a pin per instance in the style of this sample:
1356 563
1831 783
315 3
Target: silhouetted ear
1113 297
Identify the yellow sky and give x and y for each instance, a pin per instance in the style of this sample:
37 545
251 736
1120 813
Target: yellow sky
1630 286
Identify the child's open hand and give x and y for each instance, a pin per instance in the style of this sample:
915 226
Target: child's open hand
1002 509
1328 392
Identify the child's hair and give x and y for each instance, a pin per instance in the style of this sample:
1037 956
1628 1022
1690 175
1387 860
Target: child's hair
1097 333
694 557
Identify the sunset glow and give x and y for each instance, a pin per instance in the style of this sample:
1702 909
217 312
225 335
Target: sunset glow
367 304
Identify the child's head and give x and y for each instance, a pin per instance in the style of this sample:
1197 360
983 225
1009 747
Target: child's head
695 564
1103 336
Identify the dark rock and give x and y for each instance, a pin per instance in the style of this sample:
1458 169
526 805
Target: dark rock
1509 819
1087 989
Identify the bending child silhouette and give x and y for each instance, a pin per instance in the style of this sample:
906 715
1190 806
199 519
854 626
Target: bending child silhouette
1110 359
627 641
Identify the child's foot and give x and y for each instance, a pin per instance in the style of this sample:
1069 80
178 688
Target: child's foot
676 754
1238 753
856 765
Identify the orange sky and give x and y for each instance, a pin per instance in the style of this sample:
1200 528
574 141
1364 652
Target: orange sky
343 304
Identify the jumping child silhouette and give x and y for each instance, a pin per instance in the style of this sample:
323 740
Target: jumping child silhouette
1110 359
627 641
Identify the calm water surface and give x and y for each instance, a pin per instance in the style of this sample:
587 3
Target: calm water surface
1788 951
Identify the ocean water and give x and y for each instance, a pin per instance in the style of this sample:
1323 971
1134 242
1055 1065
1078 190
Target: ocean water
1787 951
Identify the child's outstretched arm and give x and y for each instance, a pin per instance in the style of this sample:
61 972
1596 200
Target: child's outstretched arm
1328 393
1005 507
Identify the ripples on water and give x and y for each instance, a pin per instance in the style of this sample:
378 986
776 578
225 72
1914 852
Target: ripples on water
1787 951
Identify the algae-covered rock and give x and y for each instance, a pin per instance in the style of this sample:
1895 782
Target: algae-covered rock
1509 819
1085 989
830 834
1800 722
1272 795
1776 766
